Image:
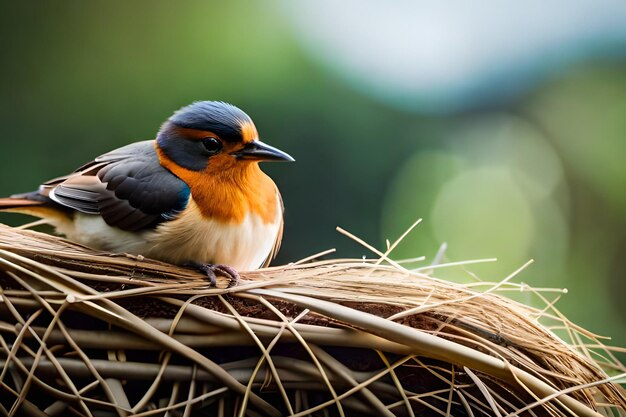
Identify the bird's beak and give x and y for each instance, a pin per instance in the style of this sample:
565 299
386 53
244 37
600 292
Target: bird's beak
259 151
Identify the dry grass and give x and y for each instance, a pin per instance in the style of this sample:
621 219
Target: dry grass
95 334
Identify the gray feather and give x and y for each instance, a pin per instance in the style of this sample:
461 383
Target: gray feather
128 187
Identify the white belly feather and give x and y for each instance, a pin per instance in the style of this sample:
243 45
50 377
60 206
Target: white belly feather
190 237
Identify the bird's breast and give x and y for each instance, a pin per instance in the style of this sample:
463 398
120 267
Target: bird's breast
193 237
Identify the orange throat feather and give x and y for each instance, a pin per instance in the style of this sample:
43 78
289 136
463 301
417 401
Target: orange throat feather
228 189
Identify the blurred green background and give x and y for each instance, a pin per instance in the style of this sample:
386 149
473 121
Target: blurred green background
503 126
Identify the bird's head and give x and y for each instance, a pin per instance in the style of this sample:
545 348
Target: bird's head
213 135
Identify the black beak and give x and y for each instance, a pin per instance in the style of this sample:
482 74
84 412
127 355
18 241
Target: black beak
259 151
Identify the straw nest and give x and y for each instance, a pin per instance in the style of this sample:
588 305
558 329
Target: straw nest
98 334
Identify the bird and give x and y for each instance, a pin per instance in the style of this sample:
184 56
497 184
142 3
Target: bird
194 196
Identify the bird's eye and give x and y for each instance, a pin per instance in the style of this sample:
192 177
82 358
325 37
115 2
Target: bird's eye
212 145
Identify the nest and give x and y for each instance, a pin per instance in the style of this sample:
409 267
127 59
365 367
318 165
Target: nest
97 334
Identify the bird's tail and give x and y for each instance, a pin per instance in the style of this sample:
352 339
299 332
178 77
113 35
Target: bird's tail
39 207
18 204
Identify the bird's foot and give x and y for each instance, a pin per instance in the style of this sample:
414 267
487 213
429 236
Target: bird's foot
213 270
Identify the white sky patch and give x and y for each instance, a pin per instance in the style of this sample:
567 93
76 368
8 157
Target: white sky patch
444 54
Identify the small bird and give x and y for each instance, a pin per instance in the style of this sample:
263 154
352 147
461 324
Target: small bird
193 196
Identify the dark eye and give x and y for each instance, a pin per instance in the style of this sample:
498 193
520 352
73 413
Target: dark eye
212 145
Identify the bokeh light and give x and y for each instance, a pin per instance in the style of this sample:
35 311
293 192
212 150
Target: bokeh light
498 191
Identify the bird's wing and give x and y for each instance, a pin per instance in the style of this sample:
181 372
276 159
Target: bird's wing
128 187
279 235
